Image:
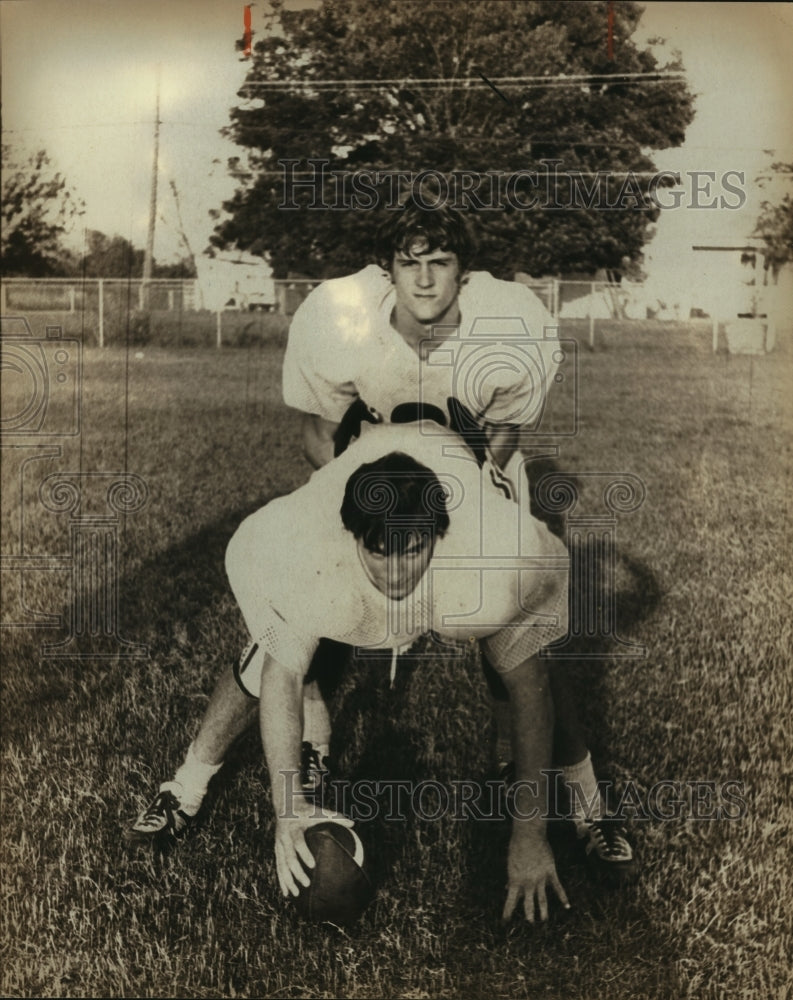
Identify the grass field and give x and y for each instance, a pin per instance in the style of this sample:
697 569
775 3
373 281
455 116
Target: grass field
703 581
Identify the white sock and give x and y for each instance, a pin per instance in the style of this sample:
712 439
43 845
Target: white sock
316 720
193 777
585 800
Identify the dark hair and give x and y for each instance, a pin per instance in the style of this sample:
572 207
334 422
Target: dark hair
390 501
412 229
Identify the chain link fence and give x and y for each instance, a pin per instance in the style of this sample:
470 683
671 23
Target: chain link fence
167 312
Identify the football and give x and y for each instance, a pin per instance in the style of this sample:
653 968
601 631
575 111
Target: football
340 887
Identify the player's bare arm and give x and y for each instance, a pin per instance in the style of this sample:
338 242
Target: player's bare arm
318 439
281 722
530 865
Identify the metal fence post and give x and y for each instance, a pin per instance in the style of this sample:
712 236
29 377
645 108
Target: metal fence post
219 326
592 316
101 291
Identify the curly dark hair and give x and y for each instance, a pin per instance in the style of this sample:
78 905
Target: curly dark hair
412 229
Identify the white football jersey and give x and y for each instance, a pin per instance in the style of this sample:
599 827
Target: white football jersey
499 362
297 576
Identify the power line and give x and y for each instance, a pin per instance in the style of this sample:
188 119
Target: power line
57 128
441 87
473 82
378 172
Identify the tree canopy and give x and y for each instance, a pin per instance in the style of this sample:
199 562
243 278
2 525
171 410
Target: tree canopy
775 224
37 208
304 100
116 257
110 257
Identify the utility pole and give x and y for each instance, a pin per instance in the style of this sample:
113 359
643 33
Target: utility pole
186 243
149 255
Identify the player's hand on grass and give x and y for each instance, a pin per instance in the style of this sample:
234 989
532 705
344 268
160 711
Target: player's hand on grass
290 843
530 871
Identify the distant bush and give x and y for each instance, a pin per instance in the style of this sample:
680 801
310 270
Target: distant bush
139 332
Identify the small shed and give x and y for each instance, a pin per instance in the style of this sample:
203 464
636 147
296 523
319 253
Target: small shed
235 281
736 286
731 280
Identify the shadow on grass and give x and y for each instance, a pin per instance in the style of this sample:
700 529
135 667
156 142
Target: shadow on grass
165 607
171 598
588 660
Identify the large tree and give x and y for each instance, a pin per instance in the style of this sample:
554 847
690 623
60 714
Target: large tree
296 106
37 209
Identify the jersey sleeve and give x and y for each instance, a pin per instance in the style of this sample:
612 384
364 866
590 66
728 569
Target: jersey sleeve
315 375
282 640
518 355
261 574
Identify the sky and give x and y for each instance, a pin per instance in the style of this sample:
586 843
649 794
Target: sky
738 59
79 79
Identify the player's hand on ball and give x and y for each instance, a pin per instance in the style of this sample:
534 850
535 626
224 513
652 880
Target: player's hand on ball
290 843
530 870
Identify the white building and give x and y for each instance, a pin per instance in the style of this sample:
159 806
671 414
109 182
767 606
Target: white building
235 280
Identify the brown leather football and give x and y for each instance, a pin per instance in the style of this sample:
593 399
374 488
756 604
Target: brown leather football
340 887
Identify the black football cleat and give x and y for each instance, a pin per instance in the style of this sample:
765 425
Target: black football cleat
607 848
162 820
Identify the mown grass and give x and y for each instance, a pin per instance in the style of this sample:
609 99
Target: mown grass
702 580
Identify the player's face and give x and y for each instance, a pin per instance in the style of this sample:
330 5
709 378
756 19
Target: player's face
426 284
398 574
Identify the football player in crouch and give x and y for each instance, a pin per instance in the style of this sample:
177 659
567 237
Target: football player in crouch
400 536
418 327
